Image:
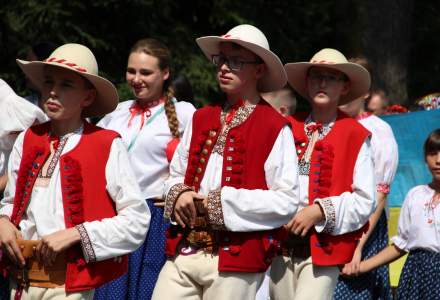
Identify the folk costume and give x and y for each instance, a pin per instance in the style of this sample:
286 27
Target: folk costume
417 234
147 137
82 179
335 171
375 284
242 161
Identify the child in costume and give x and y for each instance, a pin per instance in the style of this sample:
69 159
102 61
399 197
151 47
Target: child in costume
72 206
233 179
336 179
150 127
417 234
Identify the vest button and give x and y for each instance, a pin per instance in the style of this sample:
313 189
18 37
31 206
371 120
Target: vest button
196 179
299 151
205 151
212 133
202 160
208 142
199 170
303 144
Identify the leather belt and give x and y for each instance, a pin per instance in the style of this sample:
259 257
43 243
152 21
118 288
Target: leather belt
34 273
296 246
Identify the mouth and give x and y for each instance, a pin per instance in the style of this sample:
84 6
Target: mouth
224 79
52 106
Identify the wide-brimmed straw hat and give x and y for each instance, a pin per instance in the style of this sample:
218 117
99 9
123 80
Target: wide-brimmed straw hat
251 38
358 76
79 59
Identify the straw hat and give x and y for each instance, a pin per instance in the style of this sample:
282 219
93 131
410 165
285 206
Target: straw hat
251 38
79 59
333 59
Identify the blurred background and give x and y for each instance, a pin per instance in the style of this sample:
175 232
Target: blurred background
398 37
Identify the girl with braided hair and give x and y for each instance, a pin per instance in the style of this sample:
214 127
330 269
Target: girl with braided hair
150 126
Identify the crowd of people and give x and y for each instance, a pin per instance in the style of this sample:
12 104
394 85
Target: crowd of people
240 199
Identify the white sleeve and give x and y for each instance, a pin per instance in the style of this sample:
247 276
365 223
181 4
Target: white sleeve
126 231
403 227
253 210
385 155
351 210
7 203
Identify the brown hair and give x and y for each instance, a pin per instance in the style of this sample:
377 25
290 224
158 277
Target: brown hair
162 53
432 143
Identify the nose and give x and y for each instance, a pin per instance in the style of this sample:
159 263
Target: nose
437 158
225 67
322 82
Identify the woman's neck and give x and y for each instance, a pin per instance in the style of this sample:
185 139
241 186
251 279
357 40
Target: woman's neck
149 101
63 127
435 185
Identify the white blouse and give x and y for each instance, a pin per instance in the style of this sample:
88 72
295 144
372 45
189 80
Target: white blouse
147 152
16 115
243 209
385 153
109 237
419 221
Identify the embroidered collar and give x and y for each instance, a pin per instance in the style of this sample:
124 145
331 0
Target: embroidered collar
323 128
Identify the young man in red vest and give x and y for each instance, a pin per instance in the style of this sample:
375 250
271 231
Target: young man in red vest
233 179
336 179
72 208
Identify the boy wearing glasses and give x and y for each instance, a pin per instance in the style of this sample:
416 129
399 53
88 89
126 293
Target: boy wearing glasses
335 175
233 179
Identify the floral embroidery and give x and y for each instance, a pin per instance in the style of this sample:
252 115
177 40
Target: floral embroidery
322 132
174 193
330 214
89 253
242 114
383 188
215 211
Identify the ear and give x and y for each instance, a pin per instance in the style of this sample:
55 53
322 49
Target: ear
346 88
283 110
165 74
91 96
260 70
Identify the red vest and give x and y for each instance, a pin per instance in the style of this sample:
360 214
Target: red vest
246 149
331 173
85 198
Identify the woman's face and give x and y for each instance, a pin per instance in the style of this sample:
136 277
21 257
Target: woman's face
65 94
145 77
433 162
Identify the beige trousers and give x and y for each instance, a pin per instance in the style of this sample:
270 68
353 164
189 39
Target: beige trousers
298 279
36 293
196 277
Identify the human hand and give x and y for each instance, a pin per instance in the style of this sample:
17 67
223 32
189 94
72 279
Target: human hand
301 223
353 268
185 210
8 242
53 244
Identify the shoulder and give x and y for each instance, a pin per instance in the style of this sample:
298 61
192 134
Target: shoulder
99 133
121 109
270 114
184 109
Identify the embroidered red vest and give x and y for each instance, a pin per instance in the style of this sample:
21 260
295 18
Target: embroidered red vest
331 173
84 195
246 148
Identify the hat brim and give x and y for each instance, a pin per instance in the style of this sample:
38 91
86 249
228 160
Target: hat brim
106 94
274 78
359 78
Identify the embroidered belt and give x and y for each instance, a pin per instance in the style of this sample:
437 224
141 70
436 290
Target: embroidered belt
35 274
202 237
296 246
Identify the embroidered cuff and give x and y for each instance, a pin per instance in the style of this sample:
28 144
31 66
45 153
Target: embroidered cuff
86 244
172 196
383 188
330 214
215 211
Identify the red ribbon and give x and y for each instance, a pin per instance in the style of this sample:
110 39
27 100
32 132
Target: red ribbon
312 127
143 110
233 110
56 141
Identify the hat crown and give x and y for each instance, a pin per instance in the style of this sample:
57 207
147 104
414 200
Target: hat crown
329 56
75 56
250 34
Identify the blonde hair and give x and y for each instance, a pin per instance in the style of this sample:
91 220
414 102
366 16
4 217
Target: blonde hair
162 53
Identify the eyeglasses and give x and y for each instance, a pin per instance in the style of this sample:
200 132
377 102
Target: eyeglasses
329 78
233 63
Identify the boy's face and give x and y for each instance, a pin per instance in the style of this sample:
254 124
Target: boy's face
239 71
433 162
65 93
145 77
325 86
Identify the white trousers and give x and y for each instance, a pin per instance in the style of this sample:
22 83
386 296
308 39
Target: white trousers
298 279
36 293
196 277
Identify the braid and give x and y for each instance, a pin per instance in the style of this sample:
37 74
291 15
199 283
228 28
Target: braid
170 111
